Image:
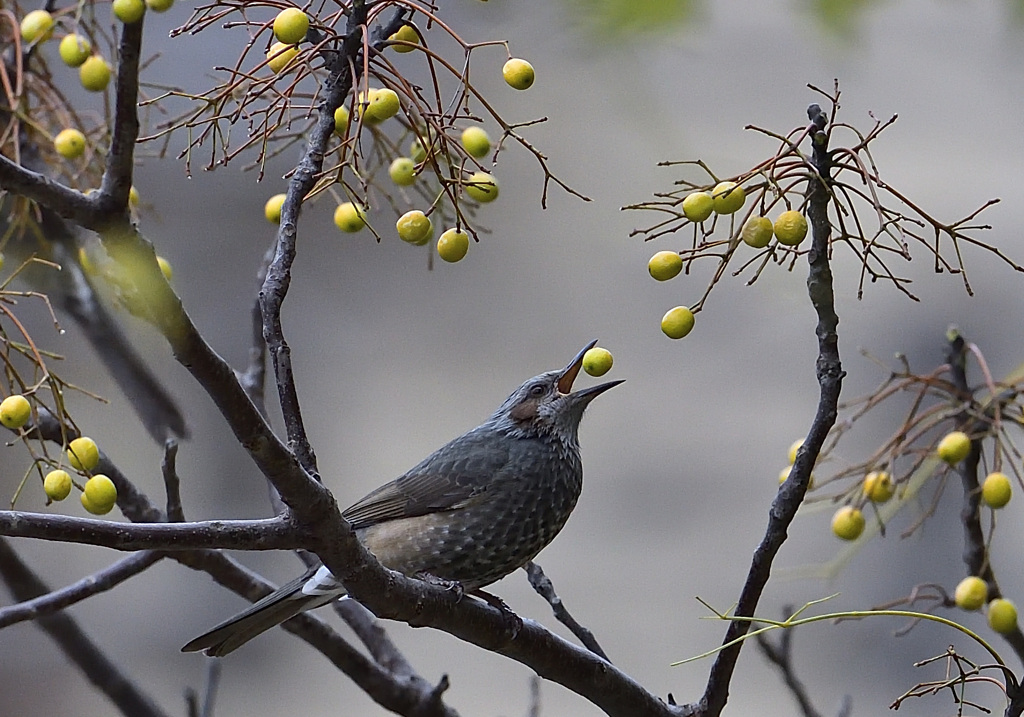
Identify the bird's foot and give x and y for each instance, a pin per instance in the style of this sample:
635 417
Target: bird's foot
454 586
513 623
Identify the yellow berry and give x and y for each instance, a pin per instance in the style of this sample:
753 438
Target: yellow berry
452 245
758 232
784 476
954 447
476 141
414 227
402 171
349 217
128 11
971 593
94 509
290 26
519 74
878 486
793 448
94 74
74 50
416 151
848 523
133 196
698 206
995 490
729 197
165 267
57 485
482 187
677 322
790 228
83 454
100 492
280 55
379 105
36 25
597 361
341 117
69 143
1002 615
159 5
15 411
665 265
405 33
272 209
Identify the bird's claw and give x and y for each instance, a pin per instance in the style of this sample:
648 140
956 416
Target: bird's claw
513 623
453 586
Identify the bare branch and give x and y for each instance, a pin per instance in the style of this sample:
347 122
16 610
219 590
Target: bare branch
172 483
278 533
546 589
211 680
830 377
98 582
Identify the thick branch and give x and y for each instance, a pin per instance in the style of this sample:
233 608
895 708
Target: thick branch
70 204
830 378
268 534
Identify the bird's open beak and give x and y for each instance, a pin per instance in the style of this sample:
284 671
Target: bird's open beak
570 372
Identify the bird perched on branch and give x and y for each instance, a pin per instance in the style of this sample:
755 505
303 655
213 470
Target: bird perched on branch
470 513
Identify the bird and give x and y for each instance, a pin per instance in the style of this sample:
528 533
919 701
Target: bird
467 515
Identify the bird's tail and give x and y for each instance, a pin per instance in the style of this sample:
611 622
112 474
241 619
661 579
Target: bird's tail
284 603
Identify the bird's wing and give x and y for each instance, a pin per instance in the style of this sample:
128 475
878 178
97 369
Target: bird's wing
449 478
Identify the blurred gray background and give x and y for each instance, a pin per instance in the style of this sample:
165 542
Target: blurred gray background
681 462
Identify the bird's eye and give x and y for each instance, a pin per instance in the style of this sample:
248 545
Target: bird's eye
538 389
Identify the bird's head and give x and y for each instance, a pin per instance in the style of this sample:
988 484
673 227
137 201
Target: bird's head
547 403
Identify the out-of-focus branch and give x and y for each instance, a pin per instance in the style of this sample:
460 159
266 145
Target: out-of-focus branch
98 582
780 654
830 377
76 645
277 533
202 705
546 589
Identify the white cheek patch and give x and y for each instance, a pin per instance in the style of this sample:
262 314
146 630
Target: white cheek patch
323 582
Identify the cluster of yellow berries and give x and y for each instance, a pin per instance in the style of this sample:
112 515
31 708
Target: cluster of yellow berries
99 493
376 105
878 487
76 51
972 594
848 522
724 199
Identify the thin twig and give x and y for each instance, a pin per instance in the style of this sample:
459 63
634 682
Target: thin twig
100 581
546 589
